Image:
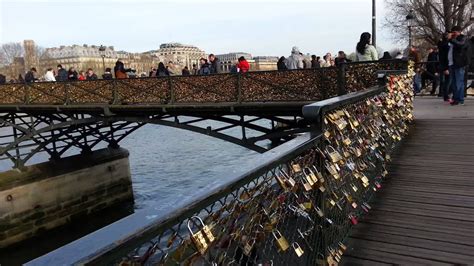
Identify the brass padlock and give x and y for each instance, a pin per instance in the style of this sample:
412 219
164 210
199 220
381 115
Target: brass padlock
202 238
333 154
248 247
281 241
298 250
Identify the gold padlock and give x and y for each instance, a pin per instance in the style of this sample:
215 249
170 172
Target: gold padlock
202 238
333 154
281 241
296 168
248 247
298 250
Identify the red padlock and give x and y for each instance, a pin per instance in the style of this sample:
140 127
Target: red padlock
377 185
353 220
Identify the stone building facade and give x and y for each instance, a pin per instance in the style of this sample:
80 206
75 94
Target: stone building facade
228 60
180 54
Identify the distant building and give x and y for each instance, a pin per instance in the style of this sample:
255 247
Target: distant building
31 56
180 54
264 63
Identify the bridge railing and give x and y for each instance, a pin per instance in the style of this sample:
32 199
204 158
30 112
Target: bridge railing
264 86
295 206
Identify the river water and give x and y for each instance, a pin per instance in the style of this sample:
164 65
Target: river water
167 165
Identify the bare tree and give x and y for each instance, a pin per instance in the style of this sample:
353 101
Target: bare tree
9 51
431 18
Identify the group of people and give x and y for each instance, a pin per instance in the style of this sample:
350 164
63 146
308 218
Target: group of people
447 66
59 74
365 51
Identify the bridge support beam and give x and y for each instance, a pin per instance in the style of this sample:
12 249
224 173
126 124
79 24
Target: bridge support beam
47 195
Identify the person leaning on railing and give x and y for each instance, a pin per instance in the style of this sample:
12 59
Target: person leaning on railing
120 70
107 74
365 51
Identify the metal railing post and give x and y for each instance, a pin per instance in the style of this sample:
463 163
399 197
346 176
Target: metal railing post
239 88
171 90
115 96
27 94
341 79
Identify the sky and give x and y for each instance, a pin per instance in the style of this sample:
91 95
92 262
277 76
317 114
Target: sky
260 27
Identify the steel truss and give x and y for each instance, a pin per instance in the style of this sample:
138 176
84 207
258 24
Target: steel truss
23 135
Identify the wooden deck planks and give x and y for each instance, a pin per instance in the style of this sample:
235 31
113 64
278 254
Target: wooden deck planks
424 213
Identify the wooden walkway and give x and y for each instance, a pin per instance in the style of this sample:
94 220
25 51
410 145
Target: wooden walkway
424 214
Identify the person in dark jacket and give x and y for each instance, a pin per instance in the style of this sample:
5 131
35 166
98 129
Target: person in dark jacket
431 71
185 71
30 75
62 74
315 62
386 56
107 74
72 74
281 65
162 71
120 71
444 76
214 64
205 67
341 58
460 60
91 75
3 79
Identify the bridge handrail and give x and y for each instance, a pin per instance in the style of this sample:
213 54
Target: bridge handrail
255 185
259 86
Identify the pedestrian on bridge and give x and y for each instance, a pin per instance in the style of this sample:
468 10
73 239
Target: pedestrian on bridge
91 75
49 76
460 56
62 74
162 71
107 74
431 72
243 65
365 51
205 68
295 60
72 74
281 65
214 64
31 75
120 70
315 62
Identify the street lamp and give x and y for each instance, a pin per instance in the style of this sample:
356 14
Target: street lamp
102 54
410 19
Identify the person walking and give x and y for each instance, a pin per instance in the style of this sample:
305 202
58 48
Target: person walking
205 68
431 72
185 71
31 75
49 76
341 58
82 75
315 62
295 60
162 71
72 74
195 69
243 66
460 57
214 64
62 74
91 75
107 74
365 51
445 77
120 70
281 65
386 56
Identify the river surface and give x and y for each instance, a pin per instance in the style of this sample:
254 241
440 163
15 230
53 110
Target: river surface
167 164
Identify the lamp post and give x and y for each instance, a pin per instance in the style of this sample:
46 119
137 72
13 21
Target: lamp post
102 54
410 18
374 25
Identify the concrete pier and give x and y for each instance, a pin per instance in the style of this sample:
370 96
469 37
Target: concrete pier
47 195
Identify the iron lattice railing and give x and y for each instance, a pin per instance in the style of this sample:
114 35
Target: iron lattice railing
264 86
295 210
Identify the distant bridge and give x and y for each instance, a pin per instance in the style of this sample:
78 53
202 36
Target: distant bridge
53 117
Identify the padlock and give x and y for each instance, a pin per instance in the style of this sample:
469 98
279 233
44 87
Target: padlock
298 250
248 247
342 246
333 154
353 219
202 238
378 185
281 241
296 168
319 212
306 205
310 176
282 182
